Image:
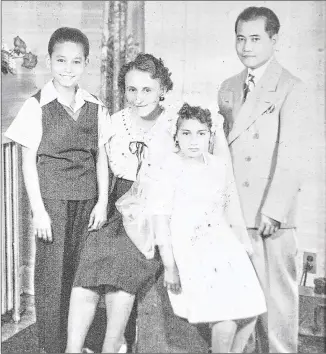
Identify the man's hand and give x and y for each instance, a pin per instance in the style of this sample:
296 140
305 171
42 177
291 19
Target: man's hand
268 226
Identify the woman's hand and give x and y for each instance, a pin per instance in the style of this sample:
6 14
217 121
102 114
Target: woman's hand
98 217
42 225
172 280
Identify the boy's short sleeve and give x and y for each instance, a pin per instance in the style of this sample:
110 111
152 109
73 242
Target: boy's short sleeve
104 126
26 128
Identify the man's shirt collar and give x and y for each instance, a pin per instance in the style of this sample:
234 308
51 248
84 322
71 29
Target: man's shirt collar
259 72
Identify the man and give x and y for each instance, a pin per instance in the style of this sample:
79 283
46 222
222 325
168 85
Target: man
265 112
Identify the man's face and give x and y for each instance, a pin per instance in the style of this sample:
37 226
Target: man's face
253 44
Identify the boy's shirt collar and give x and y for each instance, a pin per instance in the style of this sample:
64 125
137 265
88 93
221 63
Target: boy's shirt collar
49 94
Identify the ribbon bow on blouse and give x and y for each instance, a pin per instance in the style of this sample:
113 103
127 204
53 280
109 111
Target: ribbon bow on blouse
138 148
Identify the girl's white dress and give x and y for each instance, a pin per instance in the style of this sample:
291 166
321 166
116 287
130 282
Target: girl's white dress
217 277
208 234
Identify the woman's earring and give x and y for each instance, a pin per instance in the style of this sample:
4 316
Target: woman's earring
176 143
162 98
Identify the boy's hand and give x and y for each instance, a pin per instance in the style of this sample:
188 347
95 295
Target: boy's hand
42 225
172 280
98 217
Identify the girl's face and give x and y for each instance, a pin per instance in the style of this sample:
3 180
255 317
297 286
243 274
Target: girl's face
142 92
67 64
193 138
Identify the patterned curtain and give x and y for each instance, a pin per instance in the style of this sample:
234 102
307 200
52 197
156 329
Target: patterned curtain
123 39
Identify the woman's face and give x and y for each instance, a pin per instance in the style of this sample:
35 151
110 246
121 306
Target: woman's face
193 138
142 92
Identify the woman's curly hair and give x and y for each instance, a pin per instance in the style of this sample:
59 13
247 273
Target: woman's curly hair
148 63
193 112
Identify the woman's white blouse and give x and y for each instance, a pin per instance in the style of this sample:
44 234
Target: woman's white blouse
159 142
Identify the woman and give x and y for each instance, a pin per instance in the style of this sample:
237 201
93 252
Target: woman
110 263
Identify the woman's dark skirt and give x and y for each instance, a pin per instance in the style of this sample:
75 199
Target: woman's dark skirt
110 259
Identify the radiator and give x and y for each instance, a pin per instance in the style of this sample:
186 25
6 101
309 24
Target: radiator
10 284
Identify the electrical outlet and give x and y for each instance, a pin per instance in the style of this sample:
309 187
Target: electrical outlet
310 257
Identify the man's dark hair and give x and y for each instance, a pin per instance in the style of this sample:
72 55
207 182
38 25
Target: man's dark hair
272 23
67 34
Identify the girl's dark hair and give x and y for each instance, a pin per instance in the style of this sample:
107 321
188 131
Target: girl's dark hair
193 112
272 23
148 63
67 34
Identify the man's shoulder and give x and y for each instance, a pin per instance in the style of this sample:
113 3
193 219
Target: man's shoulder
232 81
289 78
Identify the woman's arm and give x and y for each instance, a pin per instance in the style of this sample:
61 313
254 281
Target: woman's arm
41 219
162 232
99 213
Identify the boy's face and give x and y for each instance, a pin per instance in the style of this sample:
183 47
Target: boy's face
142 92
67 63
193 138
253 44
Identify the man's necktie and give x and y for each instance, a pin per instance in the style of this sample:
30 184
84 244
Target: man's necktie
248 87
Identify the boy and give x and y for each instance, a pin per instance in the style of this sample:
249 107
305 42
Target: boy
62 132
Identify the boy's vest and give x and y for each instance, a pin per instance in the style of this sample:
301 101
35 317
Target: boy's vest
66 157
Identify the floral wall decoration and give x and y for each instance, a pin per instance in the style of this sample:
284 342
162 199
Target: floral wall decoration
8 56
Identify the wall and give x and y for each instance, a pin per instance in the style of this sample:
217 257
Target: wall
34 22
196 41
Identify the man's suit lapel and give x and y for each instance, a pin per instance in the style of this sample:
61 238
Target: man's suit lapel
258 101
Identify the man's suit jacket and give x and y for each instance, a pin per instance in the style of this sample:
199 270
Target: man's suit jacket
265 139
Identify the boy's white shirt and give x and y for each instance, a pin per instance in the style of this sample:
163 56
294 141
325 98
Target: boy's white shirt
26 128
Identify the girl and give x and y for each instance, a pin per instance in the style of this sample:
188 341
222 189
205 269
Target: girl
194 212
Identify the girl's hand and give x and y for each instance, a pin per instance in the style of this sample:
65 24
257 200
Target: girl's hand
98 217
42 225
172 280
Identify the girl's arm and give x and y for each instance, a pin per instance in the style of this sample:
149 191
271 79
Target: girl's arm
161 225
99 213
41 219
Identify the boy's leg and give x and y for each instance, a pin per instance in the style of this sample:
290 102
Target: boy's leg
55 267
222 336
83 304
48 279
118 308
78 213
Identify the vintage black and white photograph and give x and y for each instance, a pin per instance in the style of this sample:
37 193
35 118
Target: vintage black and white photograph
163 176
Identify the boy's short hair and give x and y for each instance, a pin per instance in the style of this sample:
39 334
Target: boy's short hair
272 23
67 34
